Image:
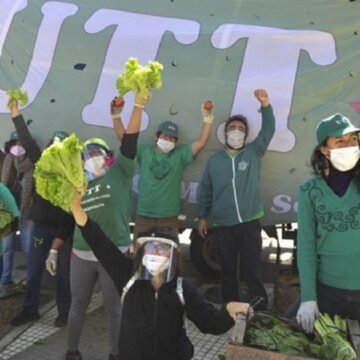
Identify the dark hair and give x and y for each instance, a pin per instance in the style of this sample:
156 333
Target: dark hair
8 145
240 118
320 164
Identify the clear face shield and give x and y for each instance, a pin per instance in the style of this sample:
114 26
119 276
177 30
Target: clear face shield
97 162
159 258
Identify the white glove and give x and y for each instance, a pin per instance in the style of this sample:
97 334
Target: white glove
51 262
207 110
306 315
116 107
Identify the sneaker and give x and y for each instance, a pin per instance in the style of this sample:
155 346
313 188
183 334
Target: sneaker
24 317
61 320
6 290
114 357
73 355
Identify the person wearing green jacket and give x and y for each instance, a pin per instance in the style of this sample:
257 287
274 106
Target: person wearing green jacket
328 240
230 190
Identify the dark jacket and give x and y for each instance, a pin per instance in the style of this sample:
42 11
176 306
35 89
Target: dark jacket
152 325
41 210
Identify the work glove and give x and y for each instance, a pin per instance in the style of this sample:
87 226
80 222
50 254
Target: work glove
207 111
306 315
141 101
116 107
51 262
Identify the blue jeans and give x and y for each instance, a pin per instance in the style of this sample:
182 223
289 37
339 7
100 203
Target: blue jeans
42 238
26 228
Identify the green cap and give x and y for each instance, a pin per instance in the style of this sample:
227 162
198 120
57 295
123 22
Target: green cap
168 128
334 125
14 136
96 142
60 134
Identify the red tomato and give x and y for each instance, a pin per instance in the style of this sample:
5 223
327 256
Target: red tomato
208 105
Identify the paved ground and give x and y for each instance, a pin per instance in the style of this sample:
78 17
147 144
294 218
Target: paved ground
41 340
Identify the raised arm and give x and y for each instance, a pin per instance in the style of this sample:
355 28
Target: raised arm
208 117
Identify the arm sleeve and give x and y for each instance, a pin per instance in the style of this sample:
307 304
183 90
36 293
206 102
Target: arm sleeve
128 145
267 131
65 227
27 141
203 314
117 265
205 194
306 246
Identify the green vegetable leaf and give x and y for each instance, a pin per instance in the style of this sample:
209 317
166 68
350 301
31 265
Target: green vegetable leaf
140 79
17 95
59 172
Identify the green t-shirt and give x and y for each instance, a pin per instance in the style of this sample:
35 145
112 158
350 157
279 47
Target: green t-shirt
160 180
108 202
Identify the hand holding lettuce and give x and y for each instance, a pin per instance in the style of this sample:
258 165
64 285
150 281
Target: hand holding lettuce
16 95
59 172
139 79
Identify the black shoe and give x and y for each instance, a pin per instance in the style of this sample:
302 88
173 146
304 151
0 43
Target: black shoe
61 320
73 355
24 317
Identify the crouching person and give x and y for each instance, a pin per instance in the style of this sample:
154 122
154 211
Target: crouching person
154 297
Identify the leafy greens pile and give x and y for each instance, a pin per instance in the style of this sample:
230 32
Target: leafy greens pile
59 172
6 218
17 95
139 79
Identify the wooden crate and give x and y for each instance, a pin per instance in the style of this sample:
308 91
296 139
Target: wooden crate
237 352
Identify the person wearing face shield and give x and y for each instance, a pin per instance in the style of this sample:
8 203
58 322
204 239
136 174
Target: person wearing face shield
161 167
328 246
152 320
230 191
107 201
46 222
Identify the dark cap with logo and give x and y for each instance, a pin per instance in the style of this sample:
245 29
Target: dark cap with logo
334 125
168 128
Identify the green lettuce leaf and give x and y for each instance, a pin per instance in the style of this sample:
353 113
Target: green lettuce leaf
139 79
59 172
17 95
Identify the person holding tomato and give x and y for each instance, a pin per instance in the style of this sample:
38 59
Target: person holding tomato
161 167
230 189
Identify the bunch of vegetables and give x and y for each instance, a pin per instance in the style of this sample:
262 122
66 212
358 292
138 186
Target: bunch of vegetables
268 332
6 218
17 95
139 79
332 336
59 172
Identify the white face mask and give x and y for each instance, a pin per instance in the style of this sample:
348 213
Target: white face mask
95 165
165 145
155 264
344 159
17 150
235 139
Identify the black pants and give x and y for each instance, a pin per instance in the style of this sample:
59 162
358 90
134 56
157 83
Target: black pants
243 239
345 303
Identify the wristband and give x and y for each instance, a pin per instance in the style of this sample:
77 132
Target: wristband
115 116
139 106
208 119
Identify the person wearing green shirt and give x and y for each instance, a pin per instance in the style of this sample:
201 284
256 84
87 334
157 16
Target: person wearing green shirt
161 168
328 240
230 191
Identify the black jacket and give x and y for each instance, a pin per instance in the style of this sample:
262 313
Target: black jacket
152 325
41 210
